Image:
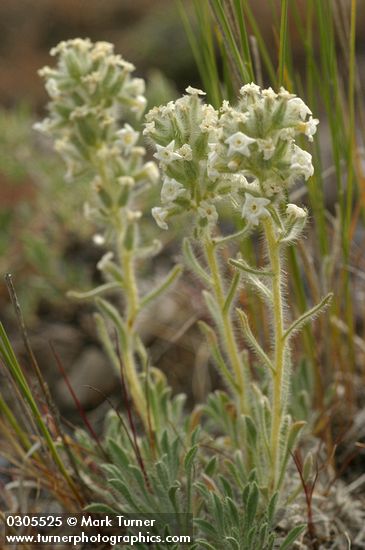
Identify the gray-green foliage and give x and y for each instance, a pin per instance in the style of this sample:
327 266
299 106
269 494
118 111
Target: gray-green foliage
246 155
173 471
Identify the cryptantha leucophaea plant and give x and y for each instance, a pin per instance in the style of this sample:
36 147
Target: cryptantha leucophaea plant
246 155
93 93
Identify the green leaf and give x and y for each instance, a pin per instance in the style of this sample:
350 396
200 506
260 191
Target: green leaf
193 263
291 537
233 510
291 438
233 543
217 356
149 251
189 459
107 287
252 503
118 455
203 543
105 198
308 316
112 313
212 307
251 431
99 507
243 266
231 293
173 492
253 277
271 509
122 489
253 342
211 467
293 433
106 341
170 278
239 234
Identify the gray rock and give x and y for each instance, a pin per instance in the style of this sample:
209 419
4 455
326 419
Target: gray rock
91 370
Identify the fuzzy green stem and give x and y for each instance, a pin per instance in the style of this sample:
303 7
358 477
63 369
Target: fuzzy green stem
227 330
278 405
131 297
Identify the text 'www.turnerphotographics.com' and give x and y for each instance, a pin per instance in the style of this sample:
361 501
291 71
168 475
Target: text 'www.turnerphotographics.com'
96 528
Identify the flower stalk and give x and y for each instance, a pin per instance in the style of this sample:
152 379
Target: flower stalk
97 144
281 354
227 330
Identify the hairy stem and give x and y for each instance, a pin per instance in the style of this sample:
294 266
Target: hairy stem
278 402
227 330
131 298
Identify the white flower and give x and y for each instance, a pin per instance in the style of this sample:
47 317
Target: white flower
254 208
126 181
239 143
285 94
134 215
128 137
309 128
171 189
295 211
52 88
149 127
88 211
253 185
225 108
269 94
208 210
266 147
98 239
92 80
271 187
137 85
151 172
301 163
186 152
139 104
45 126
102 49
252 89
194 91
165 110
286 134
160 215
138 151
213 158
103 262
297 108
167 154
210 119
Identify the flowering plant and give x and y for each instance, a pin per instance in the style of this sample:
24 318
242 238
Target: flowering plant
92 89
246 154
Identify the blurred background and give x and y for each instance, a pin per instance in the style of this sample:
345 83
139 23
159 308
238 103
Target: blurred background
44 240
45 243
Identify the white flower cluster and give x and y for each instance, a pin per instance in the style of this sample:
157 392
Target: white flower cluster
182 132
246 151
91 89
